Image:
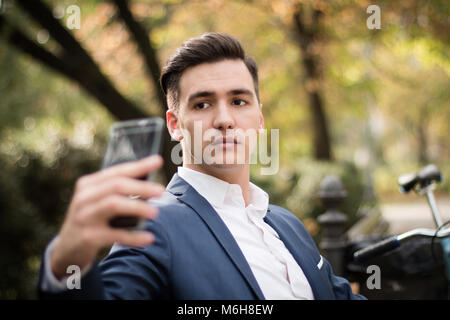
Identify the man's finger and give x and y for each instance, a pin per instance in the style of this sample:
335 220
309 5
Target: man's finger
132 169
115 205
117 186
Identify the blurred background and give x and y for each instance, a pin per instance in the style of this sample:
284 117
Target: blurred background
362 103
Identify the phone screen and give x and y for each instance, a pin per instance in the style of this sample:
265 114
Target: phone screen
130 141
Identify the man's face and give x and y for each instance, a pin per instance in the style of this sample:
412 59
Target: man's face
218 112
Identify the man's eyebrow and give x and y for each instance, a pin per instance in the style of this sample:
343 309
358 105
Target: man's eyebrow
240 91
200 94
203 94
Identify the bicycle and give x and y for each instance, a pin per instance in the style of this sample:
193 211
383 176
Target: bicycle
423 183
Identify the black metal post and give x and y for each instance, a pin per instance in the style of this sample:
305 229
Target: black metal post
332 223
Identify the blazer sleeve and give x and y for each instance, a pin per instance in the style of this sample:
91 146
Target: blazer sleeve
340 286
130 273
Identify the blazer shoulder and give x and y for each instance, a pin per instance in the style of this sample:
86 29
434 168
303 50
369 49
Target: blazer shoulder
168 203
171 210
280 213
283 213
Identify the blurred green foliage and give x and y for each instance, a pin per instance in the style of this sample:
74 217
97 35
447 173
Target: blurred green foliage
33 196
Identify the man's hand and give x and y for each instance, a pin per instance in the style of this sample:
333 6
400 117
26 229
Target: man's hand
98 198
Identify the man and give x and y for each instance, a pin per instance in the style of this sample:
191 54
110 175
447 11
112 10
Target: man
215 236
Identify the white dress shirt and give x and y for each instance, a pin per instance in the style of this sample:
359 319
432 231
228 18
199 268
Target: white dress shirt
277 273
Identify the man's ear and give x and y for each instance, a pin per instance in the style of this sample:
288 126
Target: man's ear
172 125
261 120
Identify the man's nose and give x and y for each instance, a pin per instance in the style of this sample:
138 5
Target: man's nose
223 118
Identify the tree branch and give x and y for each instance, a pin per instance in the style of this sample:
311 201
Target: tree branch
17 39
144 44
148 52
74 62
43 15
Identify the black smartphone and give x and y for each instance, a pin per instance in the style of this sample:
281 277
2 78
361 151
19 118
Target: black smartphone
133 140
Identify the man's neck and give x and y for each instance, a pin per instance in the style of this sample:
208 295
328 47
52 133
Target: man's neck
237 175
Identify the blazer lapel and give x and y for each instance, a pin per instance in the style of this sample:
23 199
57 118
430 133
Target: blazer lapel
303 258
188 195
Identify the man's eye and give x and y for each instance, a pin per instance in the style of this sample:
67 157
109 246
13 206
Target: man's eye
239 102
202 105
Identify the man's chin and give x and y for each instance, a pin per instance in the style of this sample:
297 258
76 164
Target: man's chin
225 162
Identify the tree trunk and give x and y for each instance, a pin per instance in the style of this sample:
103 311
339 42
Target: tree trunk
307 36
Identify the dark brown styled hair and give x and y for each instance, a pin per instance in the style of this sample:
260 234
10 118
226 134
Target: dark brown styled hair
208 48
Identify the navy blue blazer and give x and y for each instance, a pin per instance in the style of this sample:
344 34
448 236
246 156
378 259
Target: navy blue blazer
196 257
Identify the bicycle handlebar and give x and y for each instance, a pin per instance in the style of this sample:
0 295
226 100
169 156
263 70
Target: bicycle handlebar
395 241
376 249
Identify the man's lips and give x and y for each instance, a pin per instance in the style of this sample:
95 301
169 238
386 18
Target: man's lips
225 140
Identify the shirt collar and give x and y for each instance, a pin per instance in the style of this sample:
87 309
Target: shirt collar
215 190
